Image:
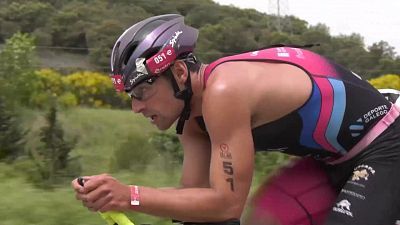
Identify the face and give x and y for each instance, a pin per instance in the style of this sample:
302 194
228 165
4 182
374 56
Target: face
156 101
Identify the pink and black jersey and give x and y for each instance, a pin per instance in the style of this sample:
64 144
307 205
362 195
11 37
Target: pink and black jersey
342 108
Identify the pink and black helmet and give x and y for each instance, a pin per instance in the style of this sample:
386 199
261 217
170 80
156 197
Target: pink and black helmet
148 48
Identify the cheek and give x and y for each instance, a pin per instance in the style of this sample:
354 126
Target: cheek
171 107
167 103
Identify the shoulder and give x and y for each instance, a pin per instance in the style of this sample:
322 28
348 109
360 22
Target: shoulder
225 98
224 80
223 86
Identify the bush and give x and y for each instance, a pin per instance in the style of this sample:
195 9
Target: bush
386 81
167 144
17 62
85 88
11 135
68 99
52 159
48 88
94 90
134 153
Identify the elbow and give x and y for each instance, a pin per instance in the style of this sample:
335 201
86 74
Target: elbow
230 210
233 212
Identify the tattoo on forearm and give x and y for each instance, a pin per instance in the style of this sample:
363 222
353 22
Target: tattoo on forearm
227 164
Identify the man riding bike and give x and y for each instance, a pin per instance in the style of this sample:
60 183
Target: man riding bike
285 99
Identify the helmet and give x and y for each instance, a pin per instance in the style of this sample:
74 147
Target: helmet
148 48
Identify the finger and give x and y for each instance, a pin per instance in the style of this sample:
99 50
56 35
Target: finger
76 185
101 204
97 204
94 182
96 194
80 196
84 179
88 206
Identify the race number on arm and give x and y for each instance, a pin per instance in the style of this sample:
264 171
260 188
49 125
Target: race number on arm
228 121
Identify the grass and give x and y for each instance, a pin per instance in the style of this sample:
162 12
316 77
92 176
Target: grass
99 133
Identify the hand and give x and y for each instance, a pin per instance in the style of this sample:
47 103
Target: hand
102 193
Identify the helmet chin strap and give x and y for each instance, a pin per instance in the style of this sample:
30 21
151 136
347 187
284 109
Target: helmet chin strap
186 96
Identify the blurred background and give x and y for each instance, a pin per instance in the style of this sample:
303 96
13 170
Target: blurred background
60 116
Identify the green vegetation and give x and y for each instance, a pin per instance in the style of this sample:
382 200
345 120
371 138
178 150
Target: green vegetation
387 81
11 134
89 28
103 135
52 159
17 61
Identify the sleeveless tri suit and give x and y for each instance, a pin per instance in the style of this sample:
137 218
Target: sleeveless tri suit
351 130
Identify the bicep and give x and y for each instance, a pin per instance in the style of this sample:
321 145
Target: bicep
232 161
232 154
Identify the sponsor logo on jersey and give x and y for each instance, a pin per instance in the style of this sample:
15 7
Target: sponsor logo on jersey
299 53
281 52
356 128
375 113
362 172
343 207
352 193
255 53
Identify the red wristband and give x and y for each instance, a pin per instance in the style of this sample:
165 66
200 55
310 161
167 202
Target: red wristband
135 197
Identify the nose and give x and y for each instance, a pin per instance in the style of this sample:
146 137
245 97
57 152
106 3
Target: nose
137 106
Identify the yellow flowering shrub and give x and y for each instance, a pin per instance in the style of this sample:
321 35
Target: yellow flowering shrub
85 88
48 87
94 89
386 81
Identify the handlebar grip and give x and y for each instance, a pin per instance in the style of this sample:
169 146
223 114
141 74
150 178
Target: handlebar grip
81 181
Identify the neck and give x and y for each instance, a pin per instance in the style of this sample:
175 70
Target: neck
198 89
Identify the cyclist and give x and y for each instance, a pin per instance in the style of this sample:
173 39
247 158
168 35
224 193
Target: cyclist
285 99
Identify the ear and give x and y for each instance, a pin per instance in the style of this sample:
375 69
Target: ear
180 72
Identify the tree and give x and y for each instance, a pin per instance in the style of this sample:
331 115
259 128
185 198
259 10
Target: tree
102 35
11 135
17 65
382 59
23 17
53 157
382 49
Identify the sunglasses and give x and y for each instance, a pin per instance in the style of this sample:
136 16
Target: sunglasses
144 90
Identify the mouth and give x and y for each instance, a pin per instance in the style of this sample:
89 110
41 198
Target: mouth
152 118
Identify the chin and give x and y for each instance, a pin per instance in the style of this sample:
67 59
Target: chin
165 124
163 127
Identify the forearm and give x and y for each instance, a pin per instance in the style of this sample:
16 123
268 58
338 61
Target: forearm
188 204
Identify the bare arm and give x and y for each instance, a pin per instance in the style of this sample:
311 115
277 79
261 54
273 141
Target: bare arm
197 155
215 183
230 170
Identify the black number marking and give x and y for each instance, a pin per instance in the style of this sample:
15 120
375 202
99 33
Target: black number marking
230 180
228 169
